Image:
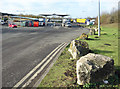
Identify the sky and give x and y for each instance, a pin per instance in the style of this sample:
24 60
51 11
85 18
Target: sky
75 8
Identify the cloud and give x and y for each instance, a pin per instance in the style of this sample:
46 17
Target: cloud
73 7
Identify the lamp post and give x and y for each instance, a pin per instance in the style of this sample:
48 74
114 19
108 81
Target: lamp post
99 18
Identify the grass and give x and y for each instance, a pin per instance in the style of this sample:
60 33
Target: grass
107 43
63 72
56 75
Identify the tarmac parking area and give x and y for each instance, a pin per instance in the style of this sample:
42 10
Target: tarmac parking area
24 47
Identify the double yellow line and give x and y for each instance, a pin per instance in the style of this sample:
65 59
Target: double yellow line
47 59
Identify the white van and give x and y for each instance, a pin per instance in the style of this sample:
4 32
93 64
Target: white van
67 24
2 22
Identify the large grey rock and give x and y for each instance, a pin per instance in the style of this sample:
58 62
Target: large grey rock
78 48
92 68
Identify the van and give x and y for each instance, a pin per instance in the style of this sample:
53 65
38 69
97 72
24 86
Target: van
67 24
2 22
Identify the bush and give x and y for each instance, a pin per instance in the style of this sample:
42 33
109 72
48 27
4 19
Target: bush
108 18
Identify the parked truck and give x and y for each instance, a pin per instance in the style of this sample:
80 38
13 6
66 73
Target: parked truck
83 21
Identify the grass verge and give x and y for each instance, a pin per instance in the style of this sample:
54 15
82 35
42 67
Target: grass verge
63 72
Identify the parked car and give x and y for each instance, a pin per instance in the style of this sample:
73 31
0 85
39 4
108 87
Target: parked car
41 23
12 25
67 24
2 22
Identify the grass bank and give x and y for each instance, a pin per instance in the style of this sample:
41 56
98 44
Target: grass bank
63 72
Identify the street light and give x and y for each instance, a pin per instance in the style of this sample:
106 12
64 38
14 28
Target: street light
99 18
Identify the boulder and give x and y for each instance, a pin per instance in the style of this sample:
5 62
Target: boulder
78 48
84 36
93 68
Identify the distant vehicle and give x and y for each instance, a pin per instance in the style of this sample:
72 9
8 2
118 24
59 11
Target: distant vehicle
12 25
2 22
92 22
67 24
36 24
81 21
41 23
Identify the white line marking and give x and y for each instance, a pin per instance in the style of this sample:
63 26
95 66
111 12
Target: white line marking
25 77
29 81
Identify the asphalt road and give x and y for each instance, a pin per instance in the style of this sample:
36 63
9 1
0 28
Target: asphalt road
23 48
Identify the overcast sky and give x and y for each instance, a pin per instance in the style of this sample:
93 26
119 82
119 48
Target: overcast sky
75 8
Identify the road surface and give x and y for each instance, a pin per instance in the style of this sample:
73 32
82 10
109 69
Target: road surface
23 48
